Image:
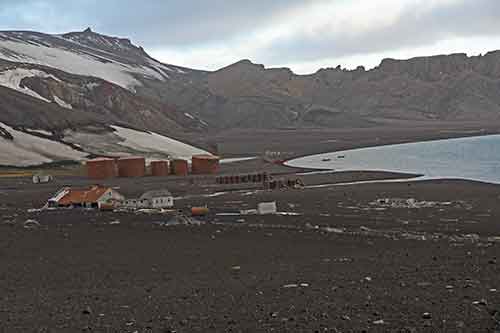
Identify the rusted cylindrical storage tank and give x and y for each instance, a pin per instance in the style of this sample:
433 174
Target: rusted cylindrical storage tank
179 167
132 167
205 164
159 168
101 168
199 211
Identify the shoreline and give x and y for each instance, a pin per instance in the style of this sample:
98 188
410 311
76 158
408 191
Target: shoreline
377 256
393 144
366 159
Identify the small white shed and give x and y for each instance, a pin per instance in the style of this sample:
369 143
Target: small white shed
42 179
158 199
265 208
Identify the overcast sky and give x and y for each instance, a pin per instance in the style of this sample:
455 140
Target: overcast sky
304 35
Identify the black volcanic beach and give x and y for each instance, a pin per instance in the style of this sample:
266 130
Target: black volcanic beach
404 256
250 166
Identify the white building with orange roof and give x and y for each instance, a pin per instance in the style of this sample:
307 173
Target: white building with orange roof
93 197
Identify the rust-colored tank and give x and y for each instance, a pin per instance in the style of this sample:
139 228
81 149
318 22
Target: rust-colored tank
159 168
131 167
101 168
180 167
199 211
205 164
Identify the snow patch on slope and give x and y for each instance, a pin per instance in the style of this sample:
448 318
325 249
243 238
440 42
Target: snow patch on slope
155 143
79 63
39 131
29 150
12 79
62 103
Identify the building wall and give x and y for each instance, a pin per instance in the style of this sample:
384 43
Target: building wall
160 168
180 167
110 195
156 203
162 202
136 203
132 167
205 165
101 169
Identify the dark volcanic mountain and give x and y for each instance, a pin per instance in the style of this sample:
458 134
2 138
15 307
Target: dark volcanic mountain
112 80
83 80
452 87
87 73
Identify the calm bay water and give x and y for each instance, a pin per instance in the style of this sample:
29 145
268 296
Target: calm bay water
474 158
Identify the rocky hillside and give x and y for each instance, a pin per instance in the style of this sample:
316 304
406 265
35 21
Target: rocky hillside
113 80
82 94
94 76
453 87
85 81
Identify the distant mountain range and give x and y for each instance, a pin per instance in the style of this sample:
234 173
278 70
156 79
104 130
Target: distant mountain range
84 82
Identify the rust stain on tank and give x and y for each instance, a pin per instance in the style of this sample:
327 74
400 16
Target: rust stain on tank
101 168
205 164
180 167
131 167
159 168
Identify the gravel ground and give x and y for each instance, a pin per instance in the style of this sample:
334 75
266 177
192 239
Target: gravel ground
345 264
383 257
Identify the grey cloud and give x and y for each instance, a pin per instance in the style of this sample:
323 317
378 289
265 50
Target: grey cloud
156 24
467 18
150 23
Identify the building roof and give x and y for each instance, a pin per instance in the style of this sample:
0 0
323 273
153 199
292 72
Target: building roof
101 159
156 194
60 194
77 196
206 157
131 158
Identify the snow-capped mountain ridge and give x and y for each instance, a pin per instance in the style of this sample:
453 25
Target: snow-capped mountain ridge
103 42
63 92
87 53
108 80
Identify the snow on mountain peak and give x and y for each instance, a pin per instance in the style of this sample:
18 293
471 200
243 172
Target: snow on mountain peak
86 53
12 78
122 46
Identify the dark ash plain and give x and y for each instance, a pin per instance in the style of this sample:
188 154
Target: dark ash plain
342 265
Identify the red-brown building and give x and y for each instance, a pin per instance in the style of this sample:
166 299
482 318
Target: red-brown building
205 164
101 168
94 197
131 167
180 167
160 168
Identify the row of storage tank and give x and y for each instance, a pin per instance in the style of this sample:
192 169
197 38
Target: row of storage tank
103 168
